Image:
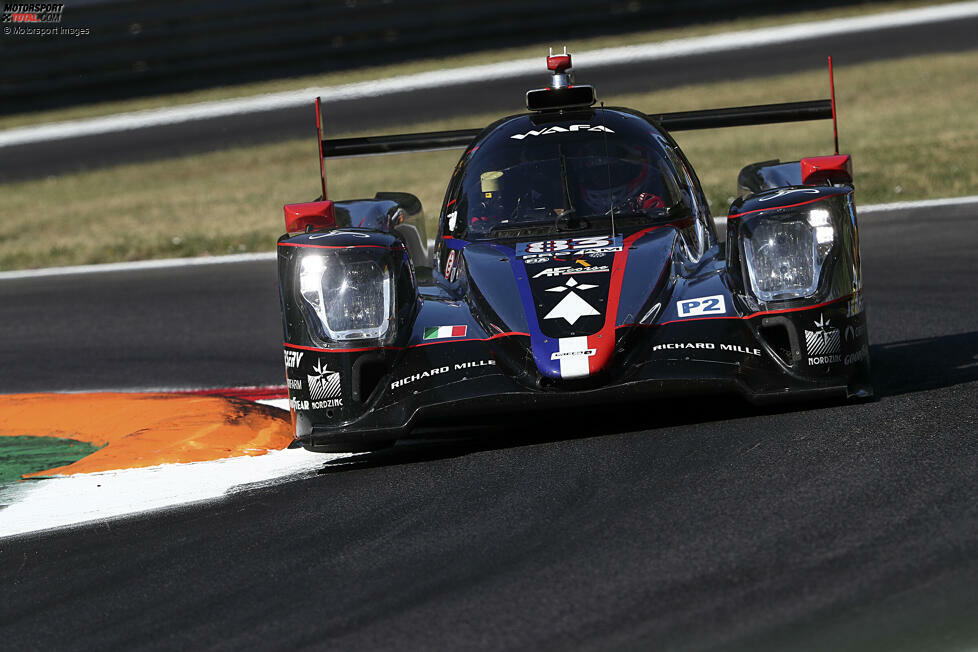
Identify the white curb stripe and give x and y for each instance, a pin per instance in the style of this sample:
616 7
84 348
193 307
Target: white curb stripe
486 72
270 255
70 500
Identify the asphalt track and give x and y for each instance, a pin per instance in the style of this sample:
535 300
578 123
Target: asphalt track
503 96
693 525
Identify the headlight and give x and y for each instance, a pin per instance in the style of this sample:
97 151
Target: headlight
352 298
785 257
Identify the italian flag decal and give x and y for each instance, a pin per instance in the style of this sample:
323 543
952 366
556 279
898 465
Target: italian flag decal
439 332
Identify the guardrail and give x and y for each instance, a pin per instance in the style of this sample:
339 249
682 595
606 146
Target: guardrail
153 46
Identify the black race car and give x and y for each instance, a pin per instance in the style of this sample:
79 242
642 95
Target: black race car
576 263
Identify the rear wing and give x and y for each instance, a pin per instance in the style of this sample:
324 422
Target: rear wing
560 64
678 121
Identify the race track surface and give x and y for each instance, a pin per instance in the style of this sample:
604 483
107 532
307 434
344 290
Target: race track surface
690 525
503 96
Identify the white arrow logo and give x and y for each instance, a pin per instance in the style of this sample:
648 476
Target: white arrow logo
572 307
571 283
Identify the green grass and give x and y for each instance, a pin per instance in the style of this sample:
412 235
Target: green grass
423 65
910 125
20 455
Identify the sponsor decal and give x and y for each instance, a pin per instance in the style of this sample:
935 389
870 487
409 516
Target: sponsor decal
324 388
452 220
437 371
854 332
572 284
571 308
441 332
561 130
573 354
782 193
473 364
858 356
707 346
591 245
294 383
855 304
557 355
586 268
352 234
672 346
450 265
536 260
293 358
712 305
823 343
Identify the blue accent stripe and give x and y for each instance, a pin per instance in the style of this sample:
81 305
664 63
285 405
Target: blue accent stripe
541 346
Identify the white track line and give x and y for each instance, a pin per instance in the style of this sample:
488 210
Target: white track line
441 78
270 255
923 203
137 265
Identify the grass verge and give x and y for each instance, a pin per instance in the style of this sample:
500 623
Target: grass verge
424 65
910 125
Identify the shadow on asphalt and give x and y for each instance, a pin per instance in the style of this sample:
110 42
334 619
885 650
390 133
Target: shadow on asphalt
923 364
898 368
451 440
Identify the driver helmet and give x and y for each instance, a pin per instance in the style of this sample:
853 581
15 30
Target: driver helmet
490 183
624 182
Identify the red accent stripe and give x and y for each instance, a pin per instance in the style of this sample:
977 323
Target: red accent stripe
674 321
246 393
319 350
400 348
603 342
774 208
468 339
312 246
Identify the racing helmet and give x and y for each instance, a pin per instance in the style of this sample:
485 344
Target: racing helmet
619 177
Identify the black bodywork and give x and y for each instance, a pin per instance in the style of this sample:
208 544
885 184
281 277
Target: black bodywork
567 309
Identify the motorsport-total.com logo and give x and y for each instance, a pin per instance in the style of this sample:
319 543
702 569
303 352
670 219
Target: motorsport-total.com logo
32 12
34 18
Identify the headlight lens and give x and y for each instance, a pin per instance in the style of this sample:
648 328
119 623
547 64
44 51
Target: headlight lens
352 298
785 258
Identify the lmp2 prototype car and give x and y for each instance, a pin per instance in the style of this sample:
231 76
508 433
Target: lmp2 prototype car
576 263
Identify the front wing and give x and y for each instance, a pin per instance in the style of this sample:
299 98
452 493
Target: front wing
338 405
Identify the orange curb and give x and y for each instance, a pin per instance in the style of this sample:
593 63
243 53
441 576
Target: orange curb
139 430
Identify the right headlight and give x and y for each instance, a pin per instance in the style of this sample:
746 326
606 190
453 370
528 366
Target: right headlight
785 256
352 298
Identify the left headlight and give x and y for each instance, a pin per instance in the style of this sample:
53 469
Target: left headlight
352 298
785 256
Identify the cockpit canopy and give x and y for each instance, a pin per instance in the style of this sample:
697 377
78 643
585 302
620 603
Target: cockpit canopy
586 168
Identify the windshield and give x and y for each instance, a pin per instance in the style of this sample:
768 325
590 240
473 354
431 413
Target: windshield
562 175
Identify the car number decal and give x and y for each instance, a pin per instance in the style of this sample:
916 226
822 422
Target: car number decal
713 305
567 245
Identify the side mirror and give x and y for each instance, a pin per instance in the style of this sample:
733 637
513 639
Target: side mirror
314 214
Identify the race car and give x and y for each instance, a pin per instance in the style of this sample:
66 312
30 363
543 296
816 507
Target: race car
576 263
